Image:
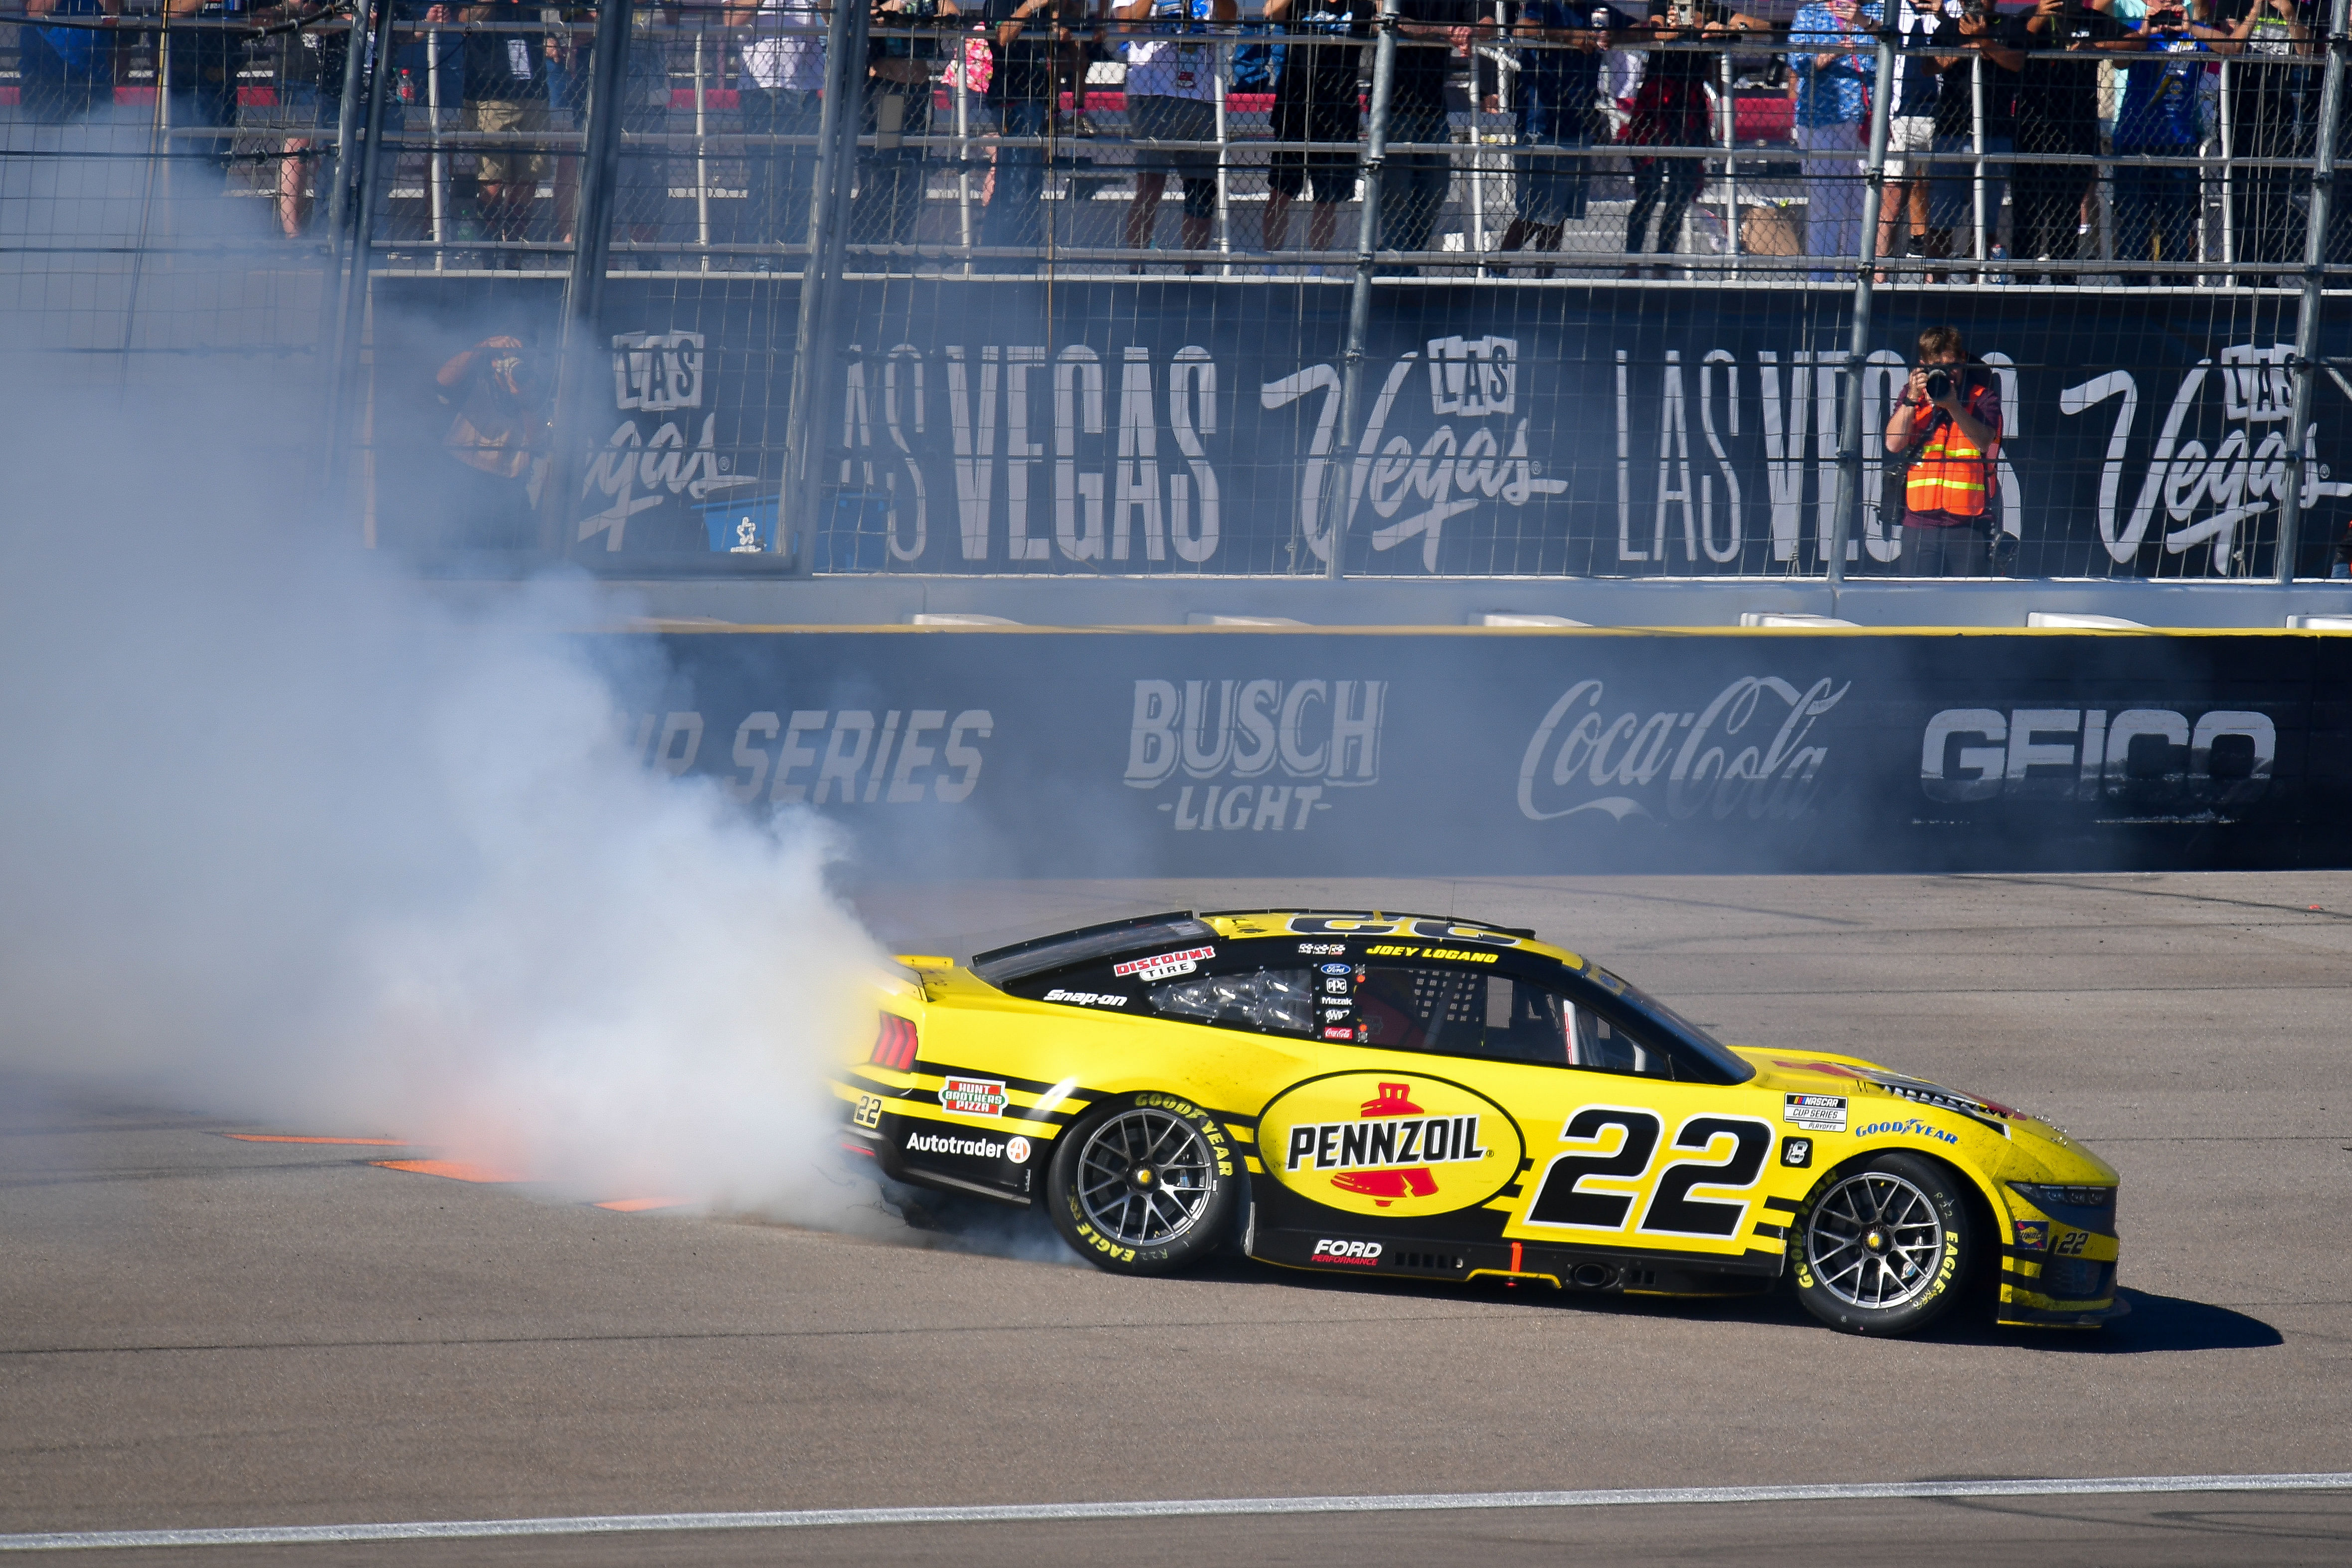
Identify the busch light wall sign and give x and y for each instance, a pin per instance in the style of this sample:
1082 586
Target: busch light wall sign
946 752
992 426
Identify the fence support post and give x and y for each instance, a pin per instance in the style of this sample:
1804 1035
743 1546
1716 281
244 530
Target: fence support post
1850 431
2315 260
1334 498
349 307
583 291
347 115
836 155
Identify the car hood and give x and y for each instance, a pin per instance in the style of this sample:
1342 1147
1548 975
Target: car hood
2039 1149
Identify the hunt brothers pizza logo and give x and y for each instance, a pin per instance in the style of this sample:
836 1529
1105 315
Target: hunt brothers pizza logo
1373 1145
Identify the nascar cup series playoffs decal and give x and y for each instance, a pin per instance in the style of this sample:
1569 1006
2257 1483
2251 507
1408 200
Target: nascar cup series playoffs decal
1379 1144
1814 1112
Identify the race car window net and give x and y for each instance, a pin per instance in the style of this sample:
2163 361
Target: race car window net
1274 1001
1147 933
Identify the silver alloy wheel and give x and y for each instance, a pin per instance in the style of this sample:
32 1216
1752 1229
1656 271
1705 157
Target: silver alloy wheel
1144 1178
1875 1241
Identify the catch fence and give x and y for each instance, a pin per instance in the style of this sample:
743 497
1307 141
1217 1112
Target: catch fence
1426 288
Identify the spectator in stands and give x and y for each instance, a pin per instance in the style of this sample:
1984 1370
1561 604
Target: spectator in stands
201 80
901 53
1414 185
310 96
1559 94
2273 94
1831 57
1989 68
1671 110
1948 421
783 95
1316 98
506 96
1036 42
2156 209
64 71
1172 101
1921 30
2058 112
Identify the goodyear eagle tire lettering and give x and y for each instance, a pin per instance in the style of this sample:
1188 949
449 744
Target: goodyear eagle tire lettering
1144 1184
1882 1245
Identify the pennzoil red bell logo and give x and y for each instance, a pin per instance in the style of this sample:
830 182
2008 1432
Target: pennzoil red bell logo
1389 1150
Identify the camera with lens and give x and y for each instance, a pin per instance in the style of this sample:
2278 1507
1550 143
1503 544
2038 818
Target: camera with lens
1939 383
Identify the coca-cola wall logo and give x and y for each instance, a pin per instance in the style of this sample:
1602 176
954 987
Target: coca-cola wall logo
1750 750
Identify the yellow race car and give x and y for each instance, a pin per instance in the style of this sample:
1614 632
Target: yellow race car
1436 1098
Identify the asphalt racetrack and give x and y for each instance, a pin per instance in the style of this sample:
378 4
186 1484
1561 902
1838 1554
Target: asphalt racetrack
202 1333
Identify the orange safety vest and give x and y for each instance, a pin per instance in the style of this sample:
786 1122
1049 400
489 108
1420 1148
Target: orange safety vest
1950 474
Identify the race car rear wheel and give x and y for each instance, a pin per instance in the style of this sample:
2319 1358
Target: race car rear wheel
1882 1246
1144 1184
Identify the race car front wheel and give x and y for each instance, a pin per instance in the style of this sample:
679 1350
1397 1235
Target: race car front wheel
1882 1248
1144 1184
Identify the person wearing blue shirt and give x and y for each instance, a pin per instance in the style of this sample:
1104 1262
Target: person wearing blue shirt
1831 53
2156 209
1558 93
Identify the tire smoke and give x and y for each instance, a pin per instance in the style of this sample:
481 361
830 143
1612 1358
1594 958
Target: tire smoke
290 837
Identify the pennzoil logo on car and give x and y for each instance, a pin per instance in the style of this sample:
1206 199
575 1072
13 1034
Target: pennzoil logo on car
974 1096
1166 966
1378 1144
1814 1112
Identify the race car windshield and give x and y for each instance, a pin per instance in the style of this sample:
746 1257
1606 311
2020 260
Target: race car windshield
1687 1034
1152 934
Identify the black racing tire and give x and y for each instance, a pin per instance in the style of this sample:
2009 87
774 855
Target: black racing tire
1884 1246
1144 1184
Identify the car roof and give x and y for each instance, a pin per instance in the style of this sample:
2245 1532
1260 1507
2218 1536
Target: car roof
1182 928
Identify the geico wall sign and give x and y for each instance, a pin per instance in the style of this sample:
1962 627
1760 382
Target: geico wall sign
2223 757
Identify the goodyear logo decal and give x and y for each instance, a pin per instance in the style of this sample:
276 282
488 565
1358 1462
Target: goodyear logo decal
1386 1145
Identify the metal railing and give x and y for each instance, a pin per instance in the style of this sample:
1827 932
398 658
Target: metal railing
731 144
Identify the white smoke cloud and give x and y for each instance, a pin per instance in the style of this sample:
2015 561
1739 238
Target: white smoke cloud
285 835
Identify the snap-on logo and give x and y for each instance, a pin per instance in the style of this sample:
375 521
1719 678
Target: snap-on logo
1365 1254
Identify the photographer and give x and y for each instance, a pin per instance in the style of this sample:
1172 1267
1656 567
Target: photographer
2058 112
1949 423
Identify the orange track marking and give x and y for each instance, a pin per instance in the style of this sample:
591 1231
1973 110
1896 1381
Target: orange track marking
455 1170
639 1204
284 1138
